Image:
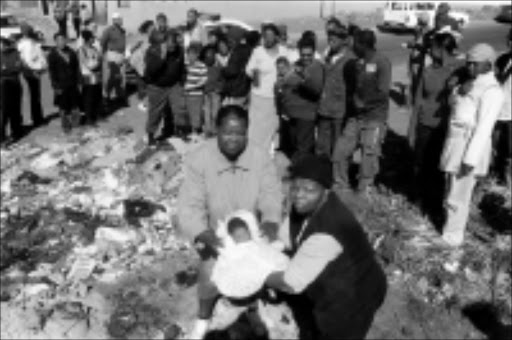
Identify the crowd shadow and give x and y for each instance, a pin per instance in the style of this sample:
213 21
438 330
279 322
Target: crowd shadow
495 212
484 316
396 165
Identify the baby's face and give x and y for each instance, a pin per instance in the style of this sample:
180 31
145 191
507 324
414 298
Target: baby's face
241 235
282 69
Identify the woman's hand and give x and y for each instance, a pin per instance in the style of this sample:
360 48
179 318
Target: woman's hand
207 244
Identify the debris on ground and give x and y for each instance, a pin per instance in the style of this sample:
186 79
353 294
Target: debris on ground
89 250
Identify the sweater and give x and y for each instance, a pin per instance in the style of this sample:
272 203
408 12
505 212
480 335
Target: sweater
237 84
301 101
338 86
164 72
433 92
64 73
11 64
114 39
373 82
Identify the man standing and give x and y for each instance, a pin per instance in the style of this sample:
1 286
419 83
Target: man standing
237 84
10 91
74 11
162 26
113 45
194 31
165 73
34 65
503 130
366 125
300 97
476 106
64 75
262 70
337 88
60 15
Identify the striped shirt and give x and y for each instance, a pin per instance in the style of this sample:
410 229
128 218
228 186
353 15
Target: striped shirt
197 75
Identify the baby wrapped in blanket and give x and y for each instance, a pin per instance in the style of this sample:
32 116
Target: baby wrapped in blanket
246 259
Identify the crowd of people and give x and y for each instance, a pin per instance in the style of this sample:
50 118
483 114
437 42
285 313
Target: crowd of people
254 93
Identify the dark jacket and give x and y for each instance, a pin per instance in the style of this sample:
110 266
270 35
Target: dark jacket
301 102
352 287
373 82
113 39
11 64
64 74
338 87
237 83
165 72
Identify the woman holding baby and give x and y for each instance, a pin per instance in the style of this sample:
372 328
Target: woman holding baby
224 175
333 276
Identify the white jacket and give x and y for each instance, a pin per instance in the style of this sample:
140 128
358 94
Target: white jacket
472 121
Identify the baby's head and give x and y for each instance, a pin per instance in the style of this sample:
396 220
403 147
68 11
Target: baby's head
239 230
283 66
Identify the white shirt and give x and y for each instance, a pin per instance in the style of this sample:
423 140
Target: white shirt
32 54
197 34
264 61
471 125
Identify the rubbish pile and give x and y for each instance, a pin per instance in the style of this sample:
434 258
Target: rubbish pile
76 215
88 247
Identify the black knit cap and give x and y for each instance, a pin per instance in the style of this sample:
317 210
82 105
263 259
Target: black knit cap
315 168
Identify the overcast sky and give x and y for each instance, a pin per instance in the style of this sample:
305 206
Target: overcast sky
259 10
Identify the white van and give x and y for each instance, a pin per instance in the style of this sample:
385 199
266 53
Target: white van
405 14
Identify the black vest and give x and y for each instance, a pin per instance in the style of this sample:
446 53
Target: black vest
354 280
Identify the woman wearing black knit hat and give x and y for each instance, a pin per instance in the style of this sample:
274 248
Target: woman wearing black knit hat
334 282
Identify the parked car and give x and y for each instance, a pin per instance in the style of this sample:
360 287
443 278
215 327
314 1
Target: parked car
10 27
405 14
505 14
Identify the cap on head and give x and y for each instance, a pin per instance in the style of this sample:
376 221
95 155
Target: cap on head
116 15
481 53
315 168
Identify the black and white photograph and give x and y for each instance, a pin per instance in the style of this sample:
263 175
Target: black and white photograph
255 170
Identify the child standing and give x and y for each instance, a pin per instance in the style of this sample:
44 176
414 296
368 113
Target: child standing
212 89
65 76
197 76
90 66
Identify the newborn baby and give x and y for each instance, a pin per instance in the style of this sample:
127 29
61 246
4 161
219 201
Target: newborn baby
239 230
246 258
